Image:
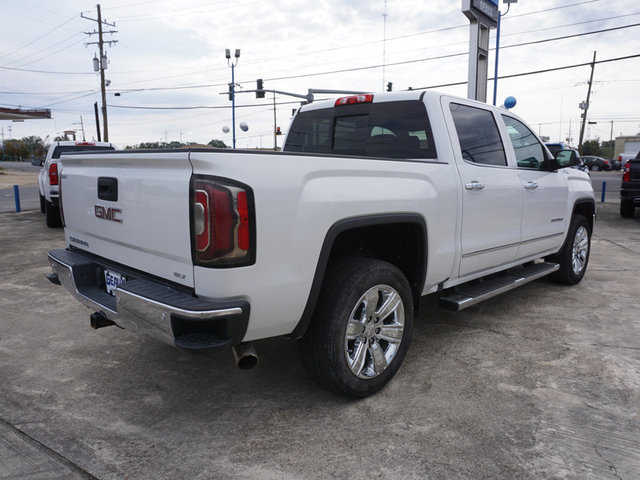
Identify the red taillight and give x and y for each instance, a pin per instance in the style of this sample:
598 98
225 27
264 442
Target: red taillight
222 222
53 174
243 222
354 99
626 174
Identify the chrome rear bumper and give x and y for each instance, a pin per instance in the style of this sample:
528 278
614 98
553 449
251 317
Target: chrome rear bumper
148 306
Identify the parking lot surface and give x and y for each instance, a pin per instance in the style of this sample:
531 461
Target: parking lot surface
541 382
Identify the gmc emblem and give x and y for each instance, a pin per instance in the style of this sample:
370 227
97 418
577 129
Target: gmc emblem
108 213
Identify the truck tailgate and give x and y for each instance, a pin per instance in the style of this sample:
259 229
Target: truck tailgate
131 208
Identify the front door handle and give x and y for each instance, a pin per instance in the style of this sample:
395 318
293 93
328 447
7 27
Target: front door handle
474 185
530 186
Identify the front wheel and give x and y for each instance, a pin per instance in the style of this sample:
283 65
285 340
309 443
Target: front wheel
361 329
574 256
595 168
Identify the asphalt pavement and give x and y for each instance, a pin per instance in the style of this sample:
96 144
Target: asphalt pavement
540 382
27 194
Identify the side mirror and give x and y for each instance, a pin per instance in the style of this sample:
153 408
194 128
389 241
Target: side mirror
567 158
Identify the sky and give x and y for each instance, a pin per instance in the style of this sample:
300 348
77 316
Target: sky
169 75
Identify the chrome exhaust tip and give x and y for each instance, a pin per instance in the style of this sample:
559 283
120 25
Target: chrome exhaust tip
245 356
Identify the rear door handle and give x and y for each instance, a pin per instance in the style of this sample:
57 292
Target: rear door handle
474 185
530 186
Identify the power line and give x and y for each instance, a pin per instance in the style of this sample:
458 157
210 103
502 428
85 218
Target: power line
43 52
54 29
522 74
535 72
203 107
439 57
43 71
553 8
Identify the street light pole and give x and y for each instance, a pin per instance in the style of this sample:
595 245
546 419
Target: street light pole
495 71
233 90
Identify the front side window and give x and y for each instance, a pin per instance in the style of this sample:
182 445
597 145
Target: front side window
478 135
528 150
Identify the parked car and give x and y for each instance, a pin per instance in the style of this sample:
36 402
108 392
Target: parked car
616 164
625 156
596 164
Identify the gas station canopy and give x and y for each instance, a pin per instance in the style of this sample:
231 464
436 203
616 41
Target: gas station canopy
18 114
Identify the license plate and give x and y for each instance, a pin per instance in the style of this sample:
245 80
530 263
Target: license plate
112 280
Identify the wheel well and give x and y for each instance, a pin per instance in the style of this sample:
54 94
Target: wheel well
586 209
398 239
400 244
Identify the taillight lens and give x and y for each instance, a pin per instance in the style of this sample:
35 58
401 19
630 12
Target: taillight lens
53 174
223 222
626 174
368 98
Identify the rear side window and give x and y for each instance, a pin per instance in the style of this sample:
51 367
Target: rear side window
478 135
386 130
60 149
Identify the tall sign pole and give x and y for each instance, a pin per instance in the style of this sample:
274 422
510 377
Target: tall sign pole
483 16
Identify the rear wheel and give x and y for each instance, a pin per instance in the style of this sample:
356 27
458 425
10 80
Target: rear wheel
627 209
595 168
52 214
361 329
574 256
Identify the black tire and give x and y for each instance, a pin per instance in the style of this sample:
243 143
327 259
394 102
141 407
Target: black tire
360 362
627 209
42 200
595 168
574 256
52 214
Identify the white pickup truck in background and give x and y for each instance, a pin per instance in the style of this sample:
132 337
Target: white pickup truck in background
625 157
48 175
376 201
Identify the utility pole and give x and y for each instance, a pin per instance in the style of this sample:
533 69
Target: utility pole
275 125
100 64
585 105
611 134
95 111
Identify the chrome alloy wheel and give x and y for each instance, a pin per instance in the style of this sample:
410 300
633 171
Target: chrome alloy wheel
374 331
580 250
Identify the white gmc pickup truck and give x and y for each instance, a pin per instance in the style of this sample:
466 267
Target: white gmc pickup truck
376 201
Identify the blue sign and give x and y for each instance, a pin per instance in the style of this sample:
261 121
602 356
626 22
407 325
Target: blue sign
495 2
